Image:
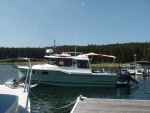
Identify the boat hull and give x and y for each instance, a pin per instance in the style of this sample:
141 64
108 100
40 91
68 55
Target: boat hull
62 78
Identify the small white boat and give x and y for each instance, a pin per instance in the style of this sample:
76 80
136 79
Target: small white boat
135 69
14 95
145 67
71 70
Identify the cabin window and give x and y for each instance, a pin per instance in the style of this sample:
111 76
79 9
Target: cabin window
82 63
52 61
65 62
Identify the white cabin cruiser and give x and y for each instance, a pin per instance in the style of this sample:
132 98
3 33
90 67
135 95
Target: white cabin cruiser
67 70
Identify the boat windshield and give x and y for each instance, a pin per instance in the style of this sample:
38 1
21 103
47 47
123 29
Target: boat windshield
82 63
67 62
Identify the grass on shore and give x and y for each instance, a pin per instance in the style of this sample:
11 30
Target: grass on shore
43 62
109 64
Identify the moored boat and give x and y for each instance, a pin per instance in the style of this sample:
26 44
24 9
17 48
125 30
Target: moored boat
145 67
66 69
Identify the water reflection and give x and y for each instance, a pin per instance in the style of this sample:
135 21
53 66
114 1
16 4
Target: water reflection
7 72
136 91
60 96
123 92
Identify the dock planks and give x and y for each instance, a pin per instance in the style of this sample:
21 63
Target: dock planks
93 105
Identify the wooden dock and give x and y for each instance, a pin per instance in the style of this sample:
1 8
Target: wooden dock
93 105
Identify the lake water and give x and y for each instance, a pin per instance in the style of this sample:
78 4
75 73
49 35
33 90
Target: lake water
47 99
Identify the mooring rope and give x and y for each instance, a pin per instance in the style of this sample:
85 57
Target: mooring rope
67 105
40 100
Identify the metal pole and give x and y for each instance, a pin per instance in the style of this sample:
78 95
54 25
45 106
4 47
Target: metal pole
30 74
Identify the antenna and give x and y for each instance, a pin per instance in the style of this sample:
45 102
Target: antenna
55 46
54 43
76 41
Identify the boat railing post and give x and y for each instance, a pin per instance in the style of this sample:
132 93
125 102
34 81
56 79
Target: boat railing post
29 82
26 78
111 65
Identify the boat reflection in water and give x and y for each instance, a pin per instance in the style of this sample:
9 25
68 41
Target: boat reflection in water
139 91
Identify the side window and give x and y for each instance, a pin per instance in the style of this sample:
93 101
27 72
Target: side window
53 61
82 64
60 62
68 62
65 62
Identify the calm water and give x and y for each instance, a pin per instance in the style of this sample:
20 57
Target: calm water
46 99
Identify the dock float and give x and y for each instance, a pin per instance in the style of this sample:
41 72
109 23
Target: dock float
94 105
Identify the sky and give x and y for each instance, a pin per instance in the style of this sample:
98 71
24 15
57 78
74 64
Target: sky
37 23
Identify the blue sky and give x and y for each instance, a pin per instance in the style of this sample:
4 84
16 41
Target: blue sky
37 23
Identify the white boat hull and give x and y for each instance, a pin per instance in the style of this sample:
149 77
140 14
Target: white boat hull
63 78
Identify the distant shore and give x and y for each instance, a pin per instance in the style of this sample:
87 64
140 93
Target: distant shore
43 62
109 64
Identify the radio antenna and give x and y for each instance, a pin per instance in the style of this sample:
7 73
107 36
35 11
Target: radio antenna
76 41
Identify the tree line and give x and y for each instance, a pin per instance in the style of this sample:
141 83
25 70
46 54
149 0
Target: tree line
123 52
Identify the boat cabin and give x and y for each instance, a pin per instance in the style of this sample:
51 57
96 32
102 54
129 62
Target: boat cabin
76 60
66 60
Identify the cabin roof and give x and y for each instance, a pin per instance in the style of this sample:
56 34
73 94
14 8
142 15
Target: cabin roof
99 55
80 56
143 62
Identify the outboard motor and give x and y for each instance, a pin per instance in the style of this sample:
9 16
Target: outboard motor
126 77
123 77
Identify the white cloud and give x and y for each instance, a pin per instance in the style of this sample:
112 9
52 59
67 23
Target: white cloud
82 3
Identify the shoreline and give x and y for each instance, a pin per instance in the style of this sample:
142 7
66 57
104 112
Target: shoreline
43 62
109 64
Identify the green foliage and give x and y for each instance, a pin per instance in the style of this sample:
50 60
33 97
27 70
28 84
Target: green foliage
6 53
123 52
